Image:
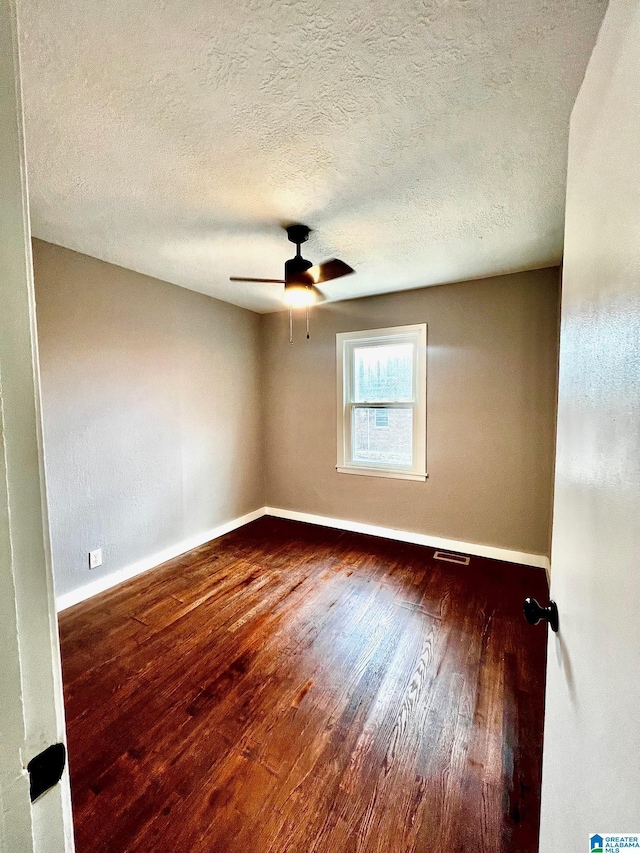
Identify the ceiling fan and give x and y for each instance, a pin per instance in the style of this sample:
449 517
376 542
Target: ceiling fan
301 276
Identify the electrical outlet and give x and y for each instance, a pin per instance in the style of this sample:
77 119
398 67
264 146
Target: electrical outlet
95 558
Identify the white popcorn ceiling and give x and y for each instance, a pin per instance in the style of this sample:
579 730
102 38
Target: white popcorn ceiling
424 141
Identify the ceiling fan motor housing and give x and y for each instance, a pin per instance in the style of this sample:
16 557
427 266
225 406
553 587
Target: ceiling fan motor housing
295 271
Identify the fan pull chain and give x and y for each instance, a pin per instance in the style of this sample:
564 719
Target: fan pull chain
307 322
290 326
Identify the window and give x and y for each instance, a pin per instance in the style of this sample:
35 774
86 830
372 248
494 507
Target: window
382 402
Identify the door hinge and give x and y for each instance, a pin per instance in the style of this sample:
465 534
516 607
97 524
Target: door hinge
45 770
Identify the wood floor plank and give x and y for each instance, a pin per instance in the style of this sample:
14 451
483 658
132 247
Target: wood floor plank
294 689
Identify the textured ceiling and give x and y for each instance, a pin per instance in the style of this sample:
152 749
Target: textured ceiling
424 141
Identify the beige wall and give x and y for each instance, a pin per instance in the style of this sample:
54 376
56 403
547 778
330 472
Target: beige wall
492 360
165 411
151 400
591 774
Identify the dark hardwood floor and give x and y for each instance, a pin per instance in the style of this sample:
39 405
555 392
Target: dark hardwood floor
294 688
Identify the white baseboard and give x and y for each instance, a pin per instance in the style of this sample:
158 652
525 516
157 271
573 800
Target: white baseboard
537 560
68 599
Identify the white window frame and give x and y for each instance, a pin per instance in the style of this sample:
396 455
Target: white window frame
345 345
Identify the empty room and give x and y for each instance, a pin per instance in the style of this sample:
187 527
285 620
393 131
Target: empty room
320 415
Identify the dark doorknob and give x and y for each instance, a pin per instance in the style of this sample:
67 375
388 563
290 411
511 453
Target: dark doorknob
534 612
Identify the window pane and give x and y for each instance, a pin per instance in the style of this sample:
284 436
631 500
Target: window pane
390 444
383 374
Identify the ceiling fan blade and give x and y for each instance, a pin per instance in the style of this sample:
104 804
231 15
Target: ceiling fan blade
329 270
265 280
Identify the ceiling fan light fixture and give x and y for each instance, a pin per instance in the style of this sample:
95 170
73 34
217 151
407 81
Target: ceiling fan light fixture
301 276
299 295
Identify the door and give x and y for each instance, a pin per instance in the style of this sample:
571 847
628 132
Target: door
31 709
591 768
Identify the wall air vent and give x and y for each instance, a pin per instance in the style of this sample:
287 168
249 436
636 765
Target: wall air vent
460 559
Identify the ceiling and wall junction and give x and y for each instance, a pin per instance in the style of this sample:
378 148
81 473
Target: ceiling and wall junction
425 142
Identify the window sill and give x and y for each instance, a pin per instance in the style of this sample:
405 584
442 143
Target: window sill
381 472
